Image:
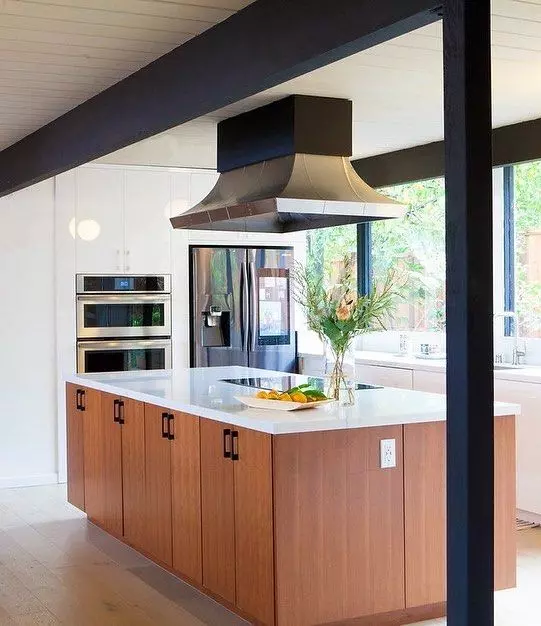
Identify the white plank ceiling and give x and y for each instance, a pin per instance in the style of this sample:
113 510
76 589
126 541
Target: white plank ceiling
55 54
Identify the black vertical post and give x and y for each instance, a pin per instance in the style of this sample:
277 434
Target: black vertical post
470 385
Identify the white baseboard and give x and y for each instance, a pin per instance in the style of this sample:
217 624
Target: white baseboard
527 516
28 481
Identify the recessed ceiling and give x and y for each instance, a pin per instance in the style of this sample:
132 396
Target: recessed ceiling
396 87
56 54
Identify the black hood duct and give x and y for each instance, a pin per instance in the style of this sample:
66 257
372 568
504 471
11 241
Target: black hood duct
285 167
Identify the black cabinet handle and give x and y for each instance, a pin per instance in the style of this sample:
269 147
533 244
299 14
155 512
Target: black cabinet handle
235 445
170 433
83 400
116 411
165 425
227 443
121 413
80 397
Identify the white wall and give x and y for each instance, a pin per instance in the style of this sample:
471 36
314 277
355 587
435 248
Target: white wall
39 257
27 330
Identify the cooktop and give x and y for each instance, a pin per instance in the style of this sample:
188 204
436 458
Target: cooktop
283 383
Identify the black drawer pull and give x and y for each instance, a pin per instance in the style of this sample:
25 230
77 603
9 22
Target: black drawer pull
227 443
78 399
171 433
121 419
235 445
116 411
83 400
165 425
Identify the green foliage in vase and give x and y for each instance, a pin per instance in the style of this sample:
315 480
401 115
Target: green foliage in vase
336 313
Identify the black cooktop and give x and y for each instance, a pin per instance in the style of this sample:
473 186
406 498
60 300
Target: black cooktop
283 383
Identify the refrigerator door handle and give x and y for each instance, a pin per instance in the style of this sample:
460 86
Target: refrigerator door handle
244 295
253 304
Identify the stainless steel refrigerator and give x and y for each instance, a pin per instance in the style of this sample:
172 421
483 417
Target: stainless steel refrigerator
242 308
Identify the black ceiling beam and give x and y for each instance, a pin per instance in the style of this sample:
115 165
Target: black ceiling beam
261 46
515 143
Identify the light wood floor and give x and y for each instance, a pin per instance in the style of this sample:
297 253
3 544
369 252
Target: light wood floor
56 569
520 606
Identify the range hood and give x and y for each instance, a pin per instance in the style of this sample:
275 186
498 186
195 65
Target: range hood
285 167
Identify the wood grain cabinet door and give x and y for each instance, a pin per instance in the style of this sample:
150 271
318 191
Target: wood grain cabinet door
103 461
158 531
75 445
94 457
111 411
186 496
133 471
254 547
217 509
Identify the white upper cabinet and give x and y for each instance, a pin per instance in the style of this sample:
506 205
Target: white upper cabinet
122 220
99 220
147 209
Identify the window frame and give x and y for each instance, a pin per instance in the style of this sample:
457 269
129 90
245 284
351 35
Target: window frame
364 258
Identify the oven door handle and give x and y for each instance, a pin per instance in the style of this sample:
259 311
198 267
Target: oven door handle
124 297
122 344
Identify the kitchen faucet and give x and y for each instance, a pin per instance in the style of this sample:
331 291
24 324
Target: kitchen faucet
518 354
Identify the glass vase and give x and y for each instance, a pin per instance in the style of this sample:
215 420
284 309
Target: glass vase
341 377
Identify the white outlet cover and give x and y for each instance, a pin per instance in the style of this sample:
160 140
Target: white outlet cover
387 453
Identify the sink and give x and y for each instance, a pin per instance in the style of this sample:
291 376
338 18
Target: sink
507 366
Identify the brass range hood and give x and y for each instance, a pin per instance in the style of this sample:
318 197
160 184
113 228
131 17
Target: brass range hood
286 167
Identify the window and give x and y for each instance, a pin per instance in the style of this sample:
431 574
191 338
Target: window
327 247
414 247
524 212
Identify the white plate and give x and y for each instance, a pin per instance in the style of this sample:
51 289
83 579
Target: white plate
260 403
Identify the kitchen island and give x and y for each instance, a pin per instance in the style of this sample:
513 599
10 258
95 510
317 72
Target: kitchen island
288 518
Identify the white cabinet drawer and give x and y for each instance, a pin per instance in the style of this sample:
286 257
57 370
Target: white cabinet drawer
433 382
528 425
386 376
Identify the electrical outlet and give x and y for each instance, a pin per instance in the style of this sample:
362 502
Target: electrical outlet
387 449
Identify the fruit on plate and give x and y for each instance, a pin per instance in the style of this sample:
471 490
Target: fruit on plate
298 396
302 394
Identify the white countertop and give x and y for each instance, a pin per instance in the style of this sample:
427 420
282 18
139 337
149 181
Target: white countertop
200 391
527 373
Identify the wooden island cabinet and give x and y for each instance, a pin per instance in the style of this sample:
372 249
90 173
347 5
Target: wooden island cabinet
298 529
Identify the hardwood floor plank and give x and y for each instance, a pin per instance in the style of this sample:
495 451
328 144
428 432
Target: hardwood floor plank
57 569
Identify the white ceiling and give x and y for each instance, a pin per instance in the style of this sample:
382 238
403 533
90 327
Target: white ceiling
55 54
396 87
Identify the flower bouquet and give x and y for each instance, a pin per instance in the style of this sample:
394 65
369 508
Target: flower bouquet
338 315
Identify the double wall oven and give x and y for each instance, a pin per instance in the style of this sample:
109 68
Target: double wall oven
123 323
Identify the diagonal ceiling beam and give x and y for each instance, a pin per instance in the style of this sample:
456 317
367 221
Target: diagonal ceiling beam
263 45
